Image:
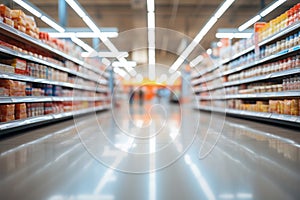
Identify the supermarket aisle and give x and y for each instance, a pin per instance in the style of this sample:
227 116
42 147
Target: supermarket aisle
250 161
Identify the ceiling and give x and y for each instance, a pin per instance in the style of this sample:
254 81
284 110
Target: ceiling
185 16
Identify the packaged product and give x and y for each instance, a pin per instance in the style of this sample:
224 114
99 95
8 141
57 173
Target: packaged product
7 118
5 11
7 109
4 91
8 21
20 65
20 111
287 107
295 107
15 14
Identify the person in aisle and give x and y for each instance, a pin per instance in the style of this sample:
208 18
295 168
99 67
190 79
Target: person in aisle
131 96
141 97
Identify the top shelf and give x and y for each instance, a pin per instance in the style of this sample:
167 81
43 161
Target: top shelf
268 40
282 33
26 39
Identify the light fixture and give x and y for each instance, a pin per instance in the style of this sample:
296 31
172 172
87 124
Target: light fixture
150 5
76 8
151 38
124 64
196 61
151 20
29 8
82 34
209 51
37 13
249 23
263 13
82 44
220 11
89 22
223 8
234 35
105 54
52 24
272 7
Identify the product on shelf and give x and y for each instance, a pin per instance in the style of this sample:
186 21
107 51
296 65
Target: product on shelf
7 112
20 111
18 64
276 25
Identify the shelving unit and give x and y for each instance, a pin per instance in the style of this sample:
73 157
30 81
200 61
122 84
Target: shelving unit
99 79
39 120
204 83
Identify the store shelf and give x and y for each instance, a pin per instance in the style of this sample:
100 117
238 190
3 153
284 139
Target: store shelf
33 99
258 115
203 72
24 38
263 77
46 63
282 33
252 79
48 118
264 95
238 55
44 81
283 53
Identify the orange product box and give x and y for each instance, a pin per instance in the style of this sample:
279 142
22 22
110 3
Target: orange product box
7 109
21 115
20 107
7 118
5 11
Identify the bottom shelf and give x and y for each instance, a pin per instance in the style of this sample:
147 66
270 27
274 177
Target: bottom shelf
272 117
33 121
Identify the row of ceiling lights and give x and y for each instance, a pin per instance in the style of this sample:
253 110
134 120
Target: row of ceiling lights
151 28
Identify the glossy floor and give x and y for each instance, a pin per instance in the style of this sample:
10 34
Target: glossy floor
154 153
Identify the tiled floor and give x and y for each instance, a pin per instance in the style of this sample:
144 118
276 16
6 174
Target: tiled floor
109 155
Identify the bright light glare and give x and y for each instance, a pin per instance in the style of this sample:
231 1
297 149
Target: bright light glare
29 8
272 7
53 24
223 8
76 8
249 23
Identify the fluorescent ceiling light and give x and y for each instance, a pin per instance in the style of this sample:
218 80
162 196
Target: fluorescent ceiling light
151 56
82 34
272 7
200 35
151 20
150 6
249 23
124 64
53 24
95 35
106 54
223 8
121 72
196 61
76 8
29 8
234 35
91 24
82 44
